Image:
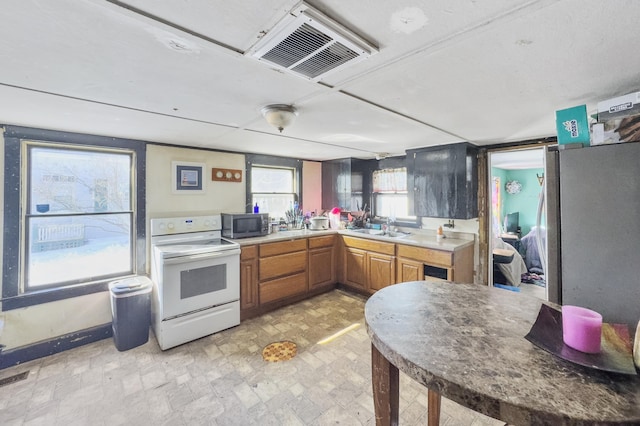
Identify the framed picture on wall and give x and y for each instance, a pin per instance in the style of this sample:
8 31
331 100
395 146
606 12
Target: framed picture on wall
187 178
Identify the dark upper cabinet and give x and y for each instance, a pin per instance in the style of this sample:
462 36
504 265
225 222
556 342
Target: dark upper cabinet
443 181
346 183
336 183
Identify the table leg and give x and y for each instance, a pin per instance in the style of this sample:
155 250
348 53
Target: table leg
433 407
384 377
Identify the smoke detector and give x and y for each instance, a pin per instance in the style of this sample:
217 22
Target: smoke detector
310 45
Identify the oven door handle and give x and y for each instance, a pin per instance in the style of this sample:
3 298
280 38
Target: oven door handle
202 256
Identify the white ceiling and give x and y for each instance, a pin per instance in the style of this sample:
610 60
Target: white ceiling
487 72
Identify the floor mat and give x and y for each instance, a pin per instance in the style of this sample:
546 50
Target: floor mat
279 351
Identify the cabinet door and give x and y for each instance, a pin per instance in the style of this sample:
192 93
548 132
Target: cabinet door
336 184
321 267
249 278
409 270
355 267
248 284
382 271
442 182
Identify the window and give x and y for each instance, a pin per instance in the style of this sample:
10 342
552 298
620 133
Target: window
78 216
74 214
272 189
390 194
272 184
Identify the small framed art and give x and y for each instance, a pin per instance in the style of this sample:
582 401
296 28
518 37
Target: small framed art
187 177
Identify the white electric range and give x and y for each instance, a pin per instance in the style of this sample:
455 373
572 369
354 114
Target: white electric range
196 276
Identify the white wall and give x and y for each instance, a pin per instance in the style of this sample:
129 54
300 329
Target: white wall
43 322
217 197
312 186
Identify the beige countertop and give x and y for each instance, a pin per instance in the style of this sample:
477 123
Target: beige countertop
283 236
413 238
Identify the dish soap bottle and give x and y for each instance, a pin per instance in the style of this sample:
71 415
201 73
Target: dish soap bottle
439 234
256 208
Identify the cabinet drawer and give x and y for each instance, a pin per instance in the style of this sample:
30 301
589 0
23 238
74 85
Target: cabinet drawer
370 245
284 264
272 249
324 241
283 287
249 252
430 256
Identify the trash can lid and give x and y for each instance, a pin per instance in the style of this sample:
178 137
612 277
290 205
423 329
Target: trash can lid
138 284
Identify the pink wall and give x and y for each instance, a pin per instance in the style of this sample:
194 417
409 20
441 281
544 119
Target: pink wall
312 186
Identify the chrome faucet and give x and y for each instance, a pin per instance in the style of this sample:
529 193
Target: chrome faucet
449 224
387 227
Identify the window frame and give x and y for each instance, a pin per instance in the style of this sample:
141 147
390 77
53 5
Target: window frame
14 295
409 222
27 216
269 161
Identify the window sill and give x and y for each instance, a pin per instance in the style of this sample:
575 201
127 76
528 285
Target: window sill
52 295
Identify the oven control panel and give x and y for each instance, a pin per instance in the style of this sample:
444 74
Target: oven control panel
181 225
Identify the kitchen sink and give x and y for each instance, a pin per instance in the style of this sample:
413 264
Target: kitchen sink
368 231
381 233
396 234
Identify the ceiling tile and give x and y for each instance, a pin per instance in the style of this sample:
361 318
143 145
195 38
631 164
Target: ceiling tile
506 82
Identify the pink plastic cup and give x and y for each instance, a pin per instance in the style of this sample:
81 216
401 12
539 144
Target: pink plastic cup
581 329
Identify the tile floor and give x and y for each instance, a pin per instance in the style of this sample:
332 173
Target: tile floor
222 379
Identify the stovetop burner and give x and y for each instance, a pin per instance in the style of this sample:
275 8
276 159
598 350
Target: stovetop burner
185 236
196 247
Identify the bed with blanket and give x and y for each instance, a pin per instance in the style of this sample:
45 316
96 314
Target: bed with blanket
529 249
513 270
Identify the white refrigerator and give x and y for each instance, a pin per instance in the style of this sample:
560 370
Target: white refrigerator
593 229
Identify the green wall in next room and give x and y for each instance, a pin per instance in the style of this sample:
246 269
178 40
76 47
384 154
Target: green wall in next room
525 202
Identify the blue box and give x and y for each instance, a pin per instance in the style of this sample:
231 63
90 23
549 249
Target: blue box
573 126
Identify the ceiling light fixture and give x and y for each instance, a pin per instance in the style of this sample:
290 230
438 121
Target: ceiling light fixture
279 115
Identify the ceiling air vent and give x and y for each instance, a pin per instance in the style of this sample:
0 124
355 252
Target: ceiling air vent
310 45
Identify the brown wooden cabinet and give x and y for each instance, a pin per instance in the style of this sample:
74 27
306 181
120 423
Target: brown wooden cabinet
248 279
419 263
355 268
368 265
282 270
409 270
382 270
322 261
279 273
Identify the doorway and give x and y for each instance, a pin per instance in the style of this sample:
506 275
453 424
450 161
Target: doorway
515 182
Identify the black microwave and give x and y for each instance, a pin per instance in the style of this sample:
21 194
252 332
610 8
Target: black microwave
244 225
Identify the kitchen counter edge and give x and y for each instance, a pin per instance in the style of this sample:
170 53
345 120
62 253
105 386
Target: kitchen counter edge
427 241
